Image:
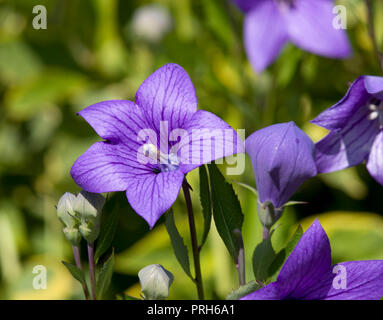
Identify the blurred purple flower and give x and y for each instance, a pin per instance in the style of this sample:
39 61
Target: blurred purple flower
307 274
153 143
356 124
270 24
283 158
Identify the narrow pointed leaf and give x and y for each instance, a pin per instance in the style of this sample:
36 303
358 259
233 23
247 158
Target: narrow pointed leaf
227 211
205 202
77 273
180 250
243 291
282 255
246 186
263 257
293 203
105 276
107 232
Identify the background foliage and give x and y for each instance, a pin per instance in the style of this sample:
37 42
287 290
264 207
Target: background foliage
91 52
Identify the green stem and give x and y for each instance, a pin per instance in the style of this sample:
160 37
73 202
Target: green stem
193 234
77 258
240 263
266 233
92 269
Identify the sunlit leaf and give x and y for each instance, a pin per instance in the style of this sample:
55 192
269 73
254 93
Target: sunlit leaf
205 202
104 277
180 250
243 291
226 209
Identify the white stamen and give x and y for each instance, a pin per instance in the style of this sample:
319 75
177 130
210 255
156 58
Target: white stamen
167 162
151 151
372 107
373 115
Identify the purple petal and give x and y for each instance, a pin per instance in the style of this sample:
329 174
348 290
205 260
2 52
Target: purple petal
338 116
308 262
269 292
310 26
116 120
348 147
106 167
151 195
264 34
245 5
207 138
364 281
375 159
374 86
167 95
282 158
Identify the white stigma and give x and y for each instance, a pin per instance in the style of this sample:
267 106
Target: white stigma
166 162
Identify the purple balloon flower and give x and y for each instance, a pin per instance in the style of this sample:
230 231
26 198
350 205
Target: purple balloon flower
153 143
307 274
283 158
270 24
356 134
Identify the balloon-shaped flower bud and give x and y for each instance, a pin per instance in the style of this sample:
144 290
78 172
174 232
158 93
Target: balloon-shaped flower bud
283 158
68 217
88 207
155 281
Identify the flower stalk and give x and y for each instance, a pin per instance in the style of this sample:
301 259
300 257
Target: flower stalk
77 258
92 272
193 234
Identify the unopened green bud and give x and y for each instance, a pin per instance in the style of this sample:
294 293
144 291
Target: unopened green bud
67 216
73 235
65 210
268 214
155 282
88 206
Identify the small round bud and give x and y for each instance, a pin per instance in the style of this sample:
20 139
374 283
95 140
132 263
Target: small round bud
88 207
155 282
65 210
73 235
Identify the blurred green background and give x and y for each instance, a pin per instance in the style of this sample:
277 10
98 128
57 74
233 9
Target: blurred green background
94 50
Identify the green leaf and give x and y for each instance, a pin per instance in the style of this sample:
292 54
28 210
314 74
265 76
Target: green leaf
180 250
246 186
205 202
282 255
293 203
226 209
107 232
77 273
263 257
243 291
104 277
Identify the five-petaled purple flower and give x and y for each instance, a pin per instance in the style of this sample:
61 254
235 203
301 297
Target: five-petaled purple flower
283 158
307 274
153 143
356 124
270 24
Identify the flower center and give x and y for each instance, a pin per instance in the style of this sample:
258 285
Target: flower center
166 162
376 111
